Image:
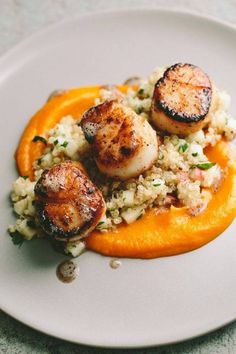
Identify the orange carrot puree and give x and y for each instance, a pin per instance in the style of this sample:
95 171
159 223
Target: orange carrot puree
153 235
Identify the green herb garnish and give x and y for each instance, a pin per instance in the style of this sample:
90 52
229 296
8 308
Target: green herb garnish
139 110
39 138
55 142
183 148
141 91
16 238
101 223
65 144
156 184
25 177
194 154
205 165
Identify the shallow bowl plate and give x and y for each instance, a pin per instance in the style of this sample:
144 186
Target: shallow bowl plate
144 302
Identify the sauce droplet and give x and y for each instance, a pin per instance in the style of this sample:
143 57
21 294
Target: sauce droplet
115 263
68 271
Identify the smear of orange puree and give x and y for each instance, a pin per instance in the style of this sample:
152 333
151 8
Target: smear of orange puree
153 235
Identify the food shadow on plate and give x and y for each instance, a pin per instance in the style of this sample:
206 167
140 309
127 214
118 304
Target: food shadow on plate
41 253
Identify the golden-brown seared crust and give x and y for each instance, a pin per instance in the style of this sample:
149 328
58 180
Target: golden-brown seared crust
183 100
68 204
111 131
184 93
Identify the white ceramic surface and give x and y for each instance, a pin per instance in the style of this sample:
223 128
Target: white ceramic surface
144 302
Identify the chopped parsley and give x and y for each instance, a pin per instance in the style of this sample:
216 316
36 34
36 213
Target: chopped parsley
194 154
25 177
101 223
113 209
16 238
205 165
55 142
65 144
156 184
139 110
183 147
39 138
141 91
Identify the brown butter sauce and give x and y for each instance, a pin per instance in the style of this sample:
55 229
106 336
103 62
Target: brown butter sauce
68 271
115 263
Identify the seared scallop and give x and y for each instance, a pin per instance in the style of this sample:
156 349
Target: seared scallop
183 100
68 204
124 144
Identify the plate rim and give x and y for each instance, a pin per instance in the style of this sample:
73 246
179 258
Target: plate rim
50 27
21 45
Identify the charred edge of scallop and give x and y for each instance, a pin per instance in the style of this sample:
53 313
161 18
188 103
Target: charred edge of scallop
40 189
47 224
88 193
89 127
171 112
56 233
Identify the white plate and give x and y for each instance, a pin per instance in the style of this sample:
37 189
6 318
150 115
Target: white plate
145 302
